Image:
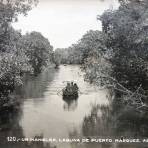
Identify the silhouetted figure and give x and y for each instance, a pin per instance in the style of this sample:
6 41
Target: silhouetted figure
68 87
71 86
75 87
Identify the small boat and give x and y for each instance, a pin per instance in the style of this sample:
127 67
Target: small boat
70 91
70 95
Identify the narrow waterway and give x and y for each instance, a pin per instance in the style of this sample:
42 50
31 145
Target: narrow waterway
44 113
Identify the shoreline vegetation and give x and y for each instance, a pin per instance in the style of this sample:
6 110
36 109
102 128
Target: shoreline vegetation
19 54
116 58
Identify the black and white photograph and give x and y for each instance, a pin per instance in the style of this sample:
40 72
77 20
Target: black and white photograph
73 73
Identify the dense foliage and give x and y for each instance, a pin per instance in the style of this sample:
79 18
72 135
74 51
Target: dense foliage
38 50
19 53
11 59
120 62
79 52
126 31
117 56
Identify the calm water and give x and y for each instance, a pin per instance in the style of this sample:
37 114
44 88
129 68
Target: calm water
44 113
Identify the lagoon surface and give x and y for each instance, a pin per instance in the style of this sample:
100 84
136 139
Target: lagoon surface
44 113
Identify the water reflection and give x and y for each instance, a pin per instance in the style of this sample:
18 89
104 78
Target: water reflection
104 121
70 104
34 87
10 128
98 122
108 121
129 118
48 113
44 112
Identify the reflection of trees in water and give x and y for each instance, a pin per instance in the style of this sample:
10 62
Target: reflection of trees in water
98 122
129 121
10 127
34 87
70 104
115 120
112 121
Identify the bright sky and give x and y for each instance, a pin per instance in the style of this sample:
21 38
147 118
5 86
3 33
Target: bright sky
64 22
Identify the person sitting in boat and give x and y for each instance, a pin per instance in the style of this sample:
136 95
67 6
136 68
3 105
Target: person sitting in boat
71 86
68 87
75 87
